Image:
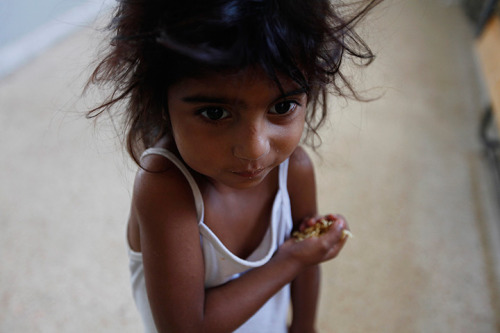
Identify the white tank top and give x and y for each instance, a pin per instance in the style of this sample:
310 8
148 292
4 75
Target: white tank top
221 265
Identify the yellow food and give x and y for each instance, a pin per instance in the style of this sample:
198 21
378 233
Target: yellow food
346 234
319 229
316 230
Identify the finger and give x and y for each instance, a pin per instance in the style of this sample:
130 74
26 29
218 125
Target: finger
334 234
330 217
309 222
334 251
340 217
336 238
346 232
312 221
339 225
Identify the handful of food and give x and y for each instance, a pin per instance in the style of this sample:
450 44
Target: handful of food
319 228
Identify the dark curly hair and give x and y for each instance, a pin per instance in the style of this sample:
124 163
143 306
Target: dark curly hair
158 42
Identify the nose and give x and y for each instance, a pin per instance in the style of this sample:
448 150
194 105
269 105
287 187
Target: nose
251 142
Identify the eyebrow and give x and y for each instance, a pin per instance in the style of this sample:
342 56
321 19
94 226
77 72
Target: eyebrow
205 99
293 93
199 98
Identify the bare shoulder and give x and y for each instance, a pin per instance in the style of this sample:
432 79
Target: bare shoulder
156 177
300 162
157 180
301 185
161 196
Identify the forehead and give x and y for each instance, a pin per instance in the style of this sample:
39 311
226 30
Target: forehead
234 82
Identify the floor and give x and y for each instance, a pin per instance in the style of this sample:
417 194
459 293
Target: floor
407 170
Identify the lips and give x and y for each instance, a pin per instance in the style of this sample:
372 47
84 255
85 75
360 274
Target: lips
252 173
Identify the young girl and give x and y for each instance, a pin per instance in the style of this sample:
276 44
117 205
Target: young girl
215 96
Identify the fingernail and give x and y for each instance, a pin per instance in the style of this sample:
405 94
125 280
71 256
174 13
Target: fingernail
339 225
331 217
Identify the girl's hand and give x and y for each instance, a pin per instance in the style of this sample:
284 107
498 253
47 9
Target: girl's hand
317 249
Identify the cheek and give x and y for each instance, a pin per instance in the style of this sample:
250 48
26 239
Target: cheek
187 140
183 138
290 137
197 148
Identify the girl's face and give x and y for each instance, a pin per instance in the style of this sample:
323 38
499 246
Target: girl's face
235 128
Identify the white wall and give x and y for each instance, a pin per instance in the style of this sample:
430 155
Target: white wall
28 27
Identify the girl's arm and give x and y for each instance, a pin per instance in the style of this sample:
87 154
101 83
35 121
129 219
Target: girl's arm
173 262
305 287
305 292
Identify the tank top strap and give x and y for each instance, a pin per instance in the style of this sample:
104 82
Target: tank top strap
283 175
198 199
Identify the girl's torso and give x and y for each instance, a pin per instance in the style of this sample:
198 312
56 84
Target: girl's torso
232 240
240 228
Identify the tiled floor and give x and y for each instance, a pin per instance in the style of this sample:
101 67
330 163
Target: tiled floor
407 170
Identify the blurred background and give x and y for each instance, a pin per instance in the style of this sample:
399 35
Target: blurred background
408 170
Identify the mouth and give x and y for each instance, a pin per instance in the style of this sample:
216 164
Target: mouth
252 173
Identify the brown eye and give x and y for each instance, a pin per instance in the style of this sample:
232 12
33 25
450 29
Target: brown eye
214 113
283 107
